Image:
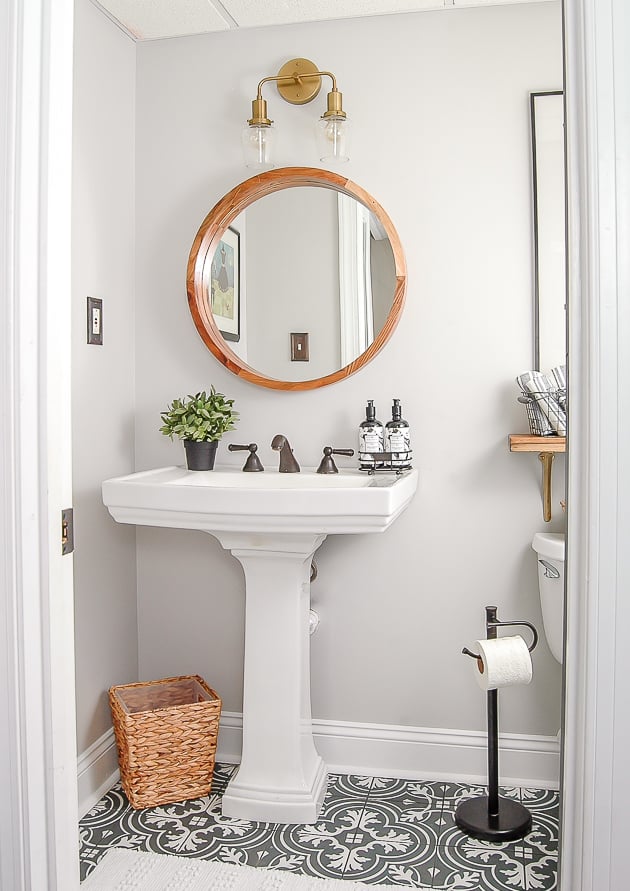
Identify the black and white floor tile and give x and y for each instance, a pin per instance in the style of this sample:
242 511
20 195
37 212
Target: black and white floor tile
371 830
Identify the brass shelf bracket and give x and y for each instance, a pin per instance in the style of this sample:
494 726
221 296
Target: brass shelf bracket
547 461
546 446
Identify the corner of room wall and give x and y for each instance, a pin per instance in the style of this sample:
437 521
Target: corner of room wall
103 378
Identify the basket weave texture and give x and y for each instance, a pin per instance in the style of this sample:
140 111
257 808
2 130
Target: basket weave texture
166 734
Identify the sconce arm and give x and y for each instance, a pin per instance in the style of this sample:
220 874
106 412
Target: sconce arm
299 82
297 79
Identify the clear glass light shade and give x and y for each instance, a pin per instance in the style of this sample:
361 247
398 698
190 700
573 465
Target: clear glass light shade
258 142
333 138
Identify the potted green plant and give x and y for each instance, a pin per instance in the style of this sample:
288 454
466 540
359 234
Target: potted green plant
200 420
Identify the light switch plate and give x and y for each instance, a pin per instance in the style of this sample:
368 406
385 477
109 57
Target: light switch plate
299 347
95 320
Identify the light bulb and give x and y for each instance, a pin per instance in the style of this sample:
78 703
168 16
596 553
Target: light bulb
258 144
333 136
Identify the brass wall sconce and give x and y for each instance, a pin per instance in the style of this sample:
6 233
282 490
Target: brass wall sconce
299 82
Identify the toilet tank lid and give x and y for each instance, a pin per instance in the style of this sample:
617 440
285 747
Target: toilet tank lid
549 544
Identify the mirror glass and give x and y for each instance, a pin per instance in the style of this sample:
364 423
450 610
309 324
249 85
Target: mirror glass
547 124
303 286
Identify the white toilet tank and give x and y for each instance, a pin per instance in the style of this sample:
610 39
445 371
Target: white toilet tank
549 547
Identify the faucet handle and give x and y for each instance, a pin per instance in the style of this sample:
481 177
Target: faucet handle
252 465
327 464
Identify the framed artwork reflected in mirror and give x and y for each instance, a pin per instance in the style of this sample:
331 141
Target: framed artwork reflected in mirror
225 285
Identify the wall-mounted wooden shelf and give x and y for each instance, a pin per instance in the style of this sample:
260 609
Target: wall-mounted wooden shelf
524 442
546 446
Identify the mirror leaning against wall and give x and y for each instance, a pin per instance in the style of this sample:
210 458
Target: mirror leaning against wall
548 159
296 279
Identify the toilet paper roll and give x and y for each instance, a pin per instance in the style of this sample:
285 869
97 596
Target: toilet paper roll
505 662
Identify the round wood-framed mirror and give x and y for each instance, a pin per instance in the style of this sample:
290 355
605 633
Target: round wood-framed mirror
247 302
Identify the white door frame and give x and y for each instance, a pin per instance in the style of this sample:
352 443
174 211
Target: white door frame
596 773
38 813
38 845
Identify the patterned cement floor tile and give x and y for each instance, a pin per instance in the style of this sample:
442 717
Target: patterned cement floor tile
540 851
322 848
541 800
221 776
409 802
477 865
454 795
372 830
392 789
388 838
193 828
355 787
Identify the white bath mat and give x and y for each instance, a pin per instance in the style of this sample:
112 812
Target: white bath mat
125 870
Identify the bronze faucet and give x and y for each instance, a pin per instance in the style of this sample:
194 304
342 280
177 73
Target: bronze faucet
288 464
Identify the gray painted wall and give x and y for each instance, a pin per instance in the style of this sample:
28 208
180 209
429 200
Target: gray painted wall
103 384
446 152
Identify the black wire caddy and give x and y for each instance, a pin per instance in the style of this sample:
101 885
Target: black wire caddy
385 462
491 817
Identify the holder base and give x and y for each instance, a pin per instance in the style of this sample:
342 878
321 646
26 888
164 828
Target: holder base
306 83
513 820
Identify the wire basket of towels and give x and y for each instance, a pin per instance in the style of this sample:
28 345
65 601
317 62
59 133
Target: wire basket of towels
545 400
545 412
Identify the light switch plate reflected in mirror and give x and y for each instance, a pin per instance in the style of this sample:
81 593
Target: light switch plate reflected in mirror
299 347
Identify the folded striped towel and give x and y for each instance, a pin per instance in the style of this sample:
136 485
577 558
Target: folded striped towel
559 374
548 399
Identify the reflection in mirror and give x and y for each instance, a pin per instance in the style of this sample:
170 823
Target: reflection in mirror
223 282
296 256
547 123
312 261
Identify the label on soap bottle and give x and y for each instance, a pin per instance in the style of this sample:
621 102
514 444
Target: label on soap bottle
371 439
399 439
399 444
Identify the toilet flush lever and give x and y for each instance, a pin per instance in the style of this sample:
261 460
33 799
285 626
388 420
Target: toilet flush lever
550 570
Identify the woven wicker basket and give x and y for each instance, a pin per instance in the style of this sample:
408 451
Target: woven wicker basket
166 734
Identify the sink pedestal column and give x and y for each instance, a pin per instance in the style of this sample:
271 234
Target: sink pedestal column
281 778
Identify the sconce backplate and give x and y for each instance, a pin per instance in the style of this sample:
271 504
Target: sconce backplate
305 85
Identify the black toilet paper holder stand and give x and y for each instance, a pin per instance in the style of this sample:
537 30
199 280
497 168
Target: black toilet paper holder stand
491 817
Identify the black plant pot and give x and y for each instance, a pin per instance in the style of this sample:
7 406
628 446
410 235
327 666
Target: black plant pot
200 455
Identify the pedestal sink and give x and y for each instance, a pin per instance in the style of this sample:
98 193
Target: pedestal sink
272 523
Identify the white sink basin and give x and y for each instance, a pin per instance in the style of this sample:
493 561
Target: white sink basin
272 523
229 499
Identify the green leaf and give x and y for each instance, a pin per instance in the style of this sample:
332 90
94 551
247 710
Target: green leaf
204 416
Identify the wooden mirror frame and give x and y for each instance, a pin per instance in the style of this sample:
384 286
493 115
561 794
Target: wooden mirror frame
217 222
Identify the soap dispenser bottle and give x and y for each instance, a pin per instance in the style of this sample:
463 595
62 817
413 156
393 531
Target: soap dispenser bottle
371 438
398 438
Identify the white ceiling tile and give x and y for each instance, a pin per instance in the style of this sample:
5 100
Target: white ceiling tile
248 14
154 19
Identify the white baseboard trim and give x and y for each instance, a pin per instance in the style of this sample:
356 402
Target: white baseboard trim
97 770
418 752
385 750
